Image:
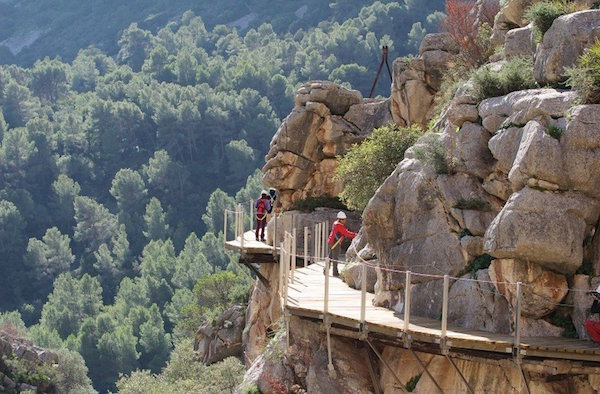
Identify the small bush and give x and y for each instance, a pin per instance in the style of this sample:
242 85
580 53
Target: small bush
433 154
365 166
554 131
561 319
412 383
311 203
480 263
516 74
544 13
474 203
585 77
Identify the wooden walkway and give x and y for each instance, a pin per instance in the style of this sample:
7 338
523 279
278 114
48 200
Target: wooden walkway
306 299
250 244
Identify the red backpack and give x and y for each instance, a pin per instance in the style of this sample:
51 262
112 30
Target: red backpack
261 207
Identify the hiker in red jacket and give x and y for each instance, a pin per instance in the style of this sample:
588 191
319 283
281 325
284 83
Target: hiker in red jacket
263 206
593 326
336 238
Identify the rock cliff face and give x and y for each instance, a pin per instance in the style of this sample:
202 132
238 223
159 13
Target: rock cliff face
13 347
519 202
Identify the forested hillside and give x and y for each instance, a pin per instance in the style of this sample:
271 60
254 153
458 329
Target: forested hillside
116 166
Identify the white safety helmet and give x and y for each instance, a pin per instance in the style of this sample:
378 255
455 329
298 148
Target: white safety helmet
263 192
341 215
598 289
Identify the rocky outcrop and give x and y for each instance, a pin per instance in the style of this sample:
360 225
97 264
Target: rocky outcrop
417 80
563 43
305 364
474 303
325 122
263 313
519 42
15 347
223 338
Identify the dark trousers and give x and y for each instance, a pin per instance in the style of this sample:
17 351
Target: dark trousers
334 255
260 225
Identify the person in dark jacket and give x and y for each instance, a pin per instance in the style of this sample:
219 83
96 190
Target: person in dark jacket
593 326
336 238
262 206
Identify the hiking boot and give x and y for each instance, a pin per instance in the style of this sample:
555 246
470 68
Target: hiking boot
263 240
336 274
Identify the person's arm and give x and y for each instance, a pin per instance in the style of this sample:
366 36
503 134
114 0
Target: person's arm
346 233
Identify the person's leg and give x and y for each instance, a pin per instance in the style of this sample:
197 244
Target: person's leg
257 227
593 329
335 256
263 223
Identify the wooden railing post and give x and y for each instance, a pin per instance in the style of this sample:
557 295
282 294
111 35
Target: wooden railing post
251 215
241 221
224 228
517 334
363 295
286 270
275 234
445 309
305 246
325 236
407 305
326 302
293 253
281 271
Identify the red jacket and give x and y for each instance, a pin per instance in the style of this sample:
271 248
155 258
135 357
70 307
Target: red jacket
339 230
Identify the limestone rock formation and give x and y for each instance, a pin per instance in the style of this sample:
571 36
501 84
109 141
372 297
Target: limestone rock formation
417 80
541 291
519 42
475 304
263 313
215 342
563 43
543 227
326 121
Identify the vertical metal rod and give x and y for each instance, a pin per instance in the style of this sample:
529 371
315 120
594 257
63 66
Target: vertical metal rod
445 306
407 303
275 234
242 226
325 236
281 269
305 246
293 254
363 295
224 228
318 241
329 358
251 215
286 271
517 335
326 302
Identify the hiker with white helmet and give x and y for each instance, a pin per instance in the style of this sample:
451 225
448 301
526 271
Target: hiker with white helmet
336 238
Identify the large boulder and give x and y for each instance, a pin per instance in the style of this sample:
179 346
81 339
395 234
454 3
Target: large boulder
541 291
352 274
519 42
223 338
337 98
539 156
514 11
517 108
563 43
581 143
370 114
473 303
406 224
543 227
